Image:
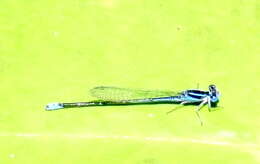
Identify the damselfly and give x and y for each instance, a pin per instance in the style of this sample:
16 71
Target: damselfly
123 96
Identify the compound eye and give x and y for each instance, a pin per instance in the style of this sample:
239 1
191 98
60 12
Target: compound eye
212 87
214 99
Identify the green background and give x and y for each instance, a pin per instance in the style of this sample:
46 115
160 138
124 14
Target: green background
56 50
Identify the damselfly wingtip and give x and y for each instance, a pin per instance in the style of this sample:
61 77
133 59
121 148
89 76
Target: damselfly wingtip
54 106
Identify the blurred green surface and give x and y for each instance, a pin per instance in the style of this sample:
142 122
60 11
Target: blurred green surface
53 51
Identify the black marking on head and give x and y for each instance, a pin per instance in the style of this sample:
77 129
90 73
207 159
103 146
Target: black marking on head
212 87
213 90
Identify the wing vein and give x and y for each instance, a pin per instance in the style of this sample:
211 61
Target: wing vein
116 93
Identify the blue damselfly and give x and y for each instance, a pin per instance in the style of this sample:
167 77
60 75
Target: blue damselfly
123 96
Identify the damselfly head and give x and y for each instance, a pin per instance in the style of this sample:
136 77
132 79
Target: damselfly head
212 88
214 95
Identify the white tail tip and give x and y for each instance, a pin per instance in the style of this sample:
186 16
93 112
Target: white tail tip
54 106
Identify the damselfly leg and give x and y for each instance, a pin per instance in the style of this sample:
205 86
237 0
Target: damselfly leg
178 107
209 104
198 85
199 108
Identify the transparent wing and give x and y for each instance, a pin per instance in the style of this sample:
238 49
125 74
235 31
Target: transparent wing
117 94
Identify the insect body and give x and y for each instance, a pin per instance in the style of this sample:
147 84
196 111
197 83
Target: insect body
125 96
